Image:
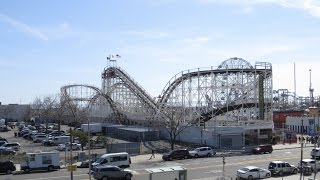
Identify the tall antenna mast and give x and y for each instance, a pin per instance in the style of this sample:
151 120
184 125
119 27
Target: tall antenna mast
311 90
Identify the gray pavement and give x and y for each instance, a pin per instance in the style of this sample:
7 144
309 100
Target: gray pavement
290 146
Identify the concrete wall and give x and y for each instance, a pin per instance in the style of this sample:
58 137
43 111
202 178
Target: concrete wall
223 137
131 148
133 133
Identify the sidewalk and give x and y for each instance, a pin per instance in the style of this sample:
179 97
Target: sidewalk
158 157
290 146
146 158
295 177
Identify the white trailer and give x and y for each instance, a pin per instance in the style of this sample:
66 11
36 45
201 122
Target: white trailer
41 161
168 173
93 128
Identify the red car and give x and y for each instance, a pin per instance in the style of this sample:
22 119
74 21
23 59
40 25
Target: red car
266 148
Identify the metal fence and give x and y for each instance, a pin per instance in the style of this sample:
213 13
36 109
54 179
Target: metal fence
131 148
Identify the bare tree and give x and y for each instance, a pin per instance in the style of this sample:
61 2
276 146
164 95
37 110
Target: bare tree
37 108
60 110
44 109
48 109
175 124
28 114
78 113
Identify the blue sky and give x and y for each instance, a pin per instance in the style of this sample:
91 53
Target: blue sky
47 44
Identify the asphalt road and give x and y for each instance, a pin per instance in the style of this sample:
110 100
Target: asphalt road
198 169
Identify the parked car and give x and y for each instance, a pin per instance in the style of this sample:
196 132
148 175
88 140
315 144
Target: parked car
7 167
85 164
33 134
111 172
7 151
74 146
2 143
253 172
176 154
15 146
266 148
4 128
281 167
202 152
48 141
314 164
315 153
3 139
57 133
39 138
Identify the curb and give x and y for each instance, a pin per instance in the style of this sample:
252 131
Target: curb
17 172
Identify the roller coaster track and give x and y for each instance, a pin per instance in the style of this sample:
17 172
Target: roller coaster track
91 99
216 112
131 84
170 87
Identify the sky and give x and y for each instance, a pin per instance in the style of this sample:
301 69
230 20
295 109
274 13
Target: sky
45 45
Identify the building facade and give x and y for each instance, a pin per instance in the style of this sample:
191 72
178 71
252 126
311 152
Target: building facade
15 112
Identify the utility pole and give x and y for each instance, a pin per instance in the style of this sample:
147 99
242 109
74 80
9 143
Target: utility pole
314 142
89 142
71 172
223 168
301 155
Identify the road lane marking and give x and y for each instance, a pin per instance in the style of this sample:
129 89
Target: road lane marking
240 163
213 172
207 178
42 178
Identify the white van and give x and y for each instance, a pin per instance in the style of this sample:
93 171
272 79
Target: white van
121 160
60 139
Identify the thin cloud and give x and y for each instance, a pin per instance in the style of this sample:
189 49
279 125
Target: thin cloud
310 6
23 27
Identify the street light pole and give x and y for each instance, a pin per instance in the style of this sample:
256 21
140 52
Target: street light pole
71 158
301 155
223 166
314 142
89 142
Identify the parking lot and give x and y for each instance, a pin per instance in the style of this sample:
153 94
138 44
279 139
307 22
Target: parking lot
29 146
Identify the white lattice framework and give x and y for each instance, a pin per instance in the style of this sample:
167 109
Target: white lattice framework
131 99
234 92
92 100
235 89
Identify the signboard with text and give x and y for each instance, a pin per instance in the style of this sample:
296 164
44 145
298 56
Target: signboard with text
72 168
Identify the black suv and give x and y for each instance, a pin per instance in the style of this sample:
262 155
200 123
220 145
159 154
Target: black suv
266 148
7 167
176 154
